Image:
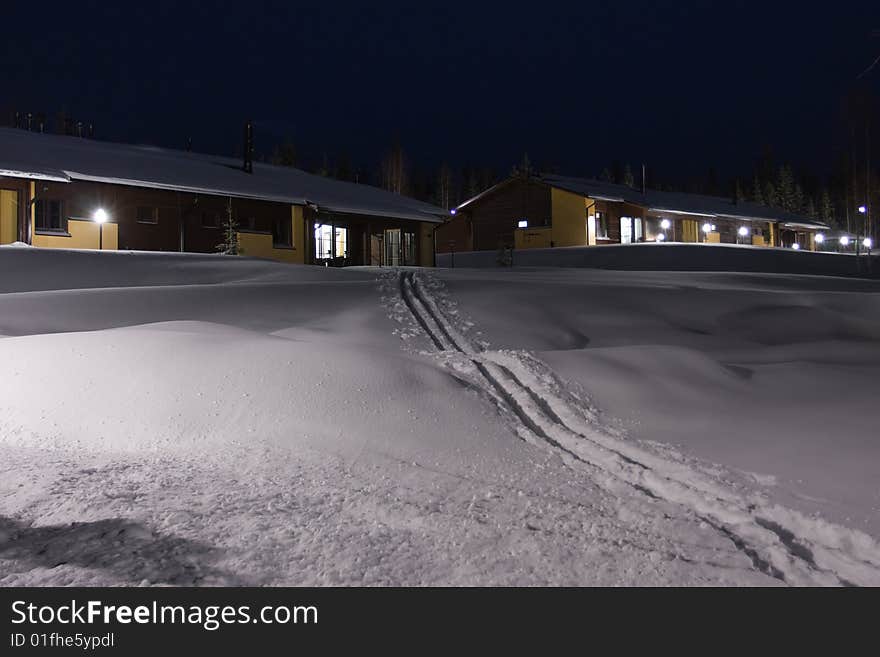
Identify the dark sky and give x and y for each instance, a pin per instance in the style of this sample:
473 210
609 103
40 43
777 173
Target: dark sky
681 85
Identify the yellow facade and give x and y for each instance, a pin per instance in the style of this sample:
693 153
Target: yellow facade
532 238
259 245
8 216
758 240
689 230
82 234
569 218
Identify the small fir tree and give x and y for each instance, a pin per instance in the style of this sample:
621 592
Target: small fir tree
230 244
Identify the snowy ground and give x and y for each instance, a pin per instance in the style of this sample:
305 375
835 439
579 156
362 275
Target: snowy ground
174 419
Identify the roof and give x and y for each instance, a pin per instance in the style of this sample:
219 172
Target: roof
670 202
40 156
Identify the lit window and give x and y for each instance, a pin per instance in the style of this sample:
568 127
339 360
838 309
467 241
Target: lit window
523 223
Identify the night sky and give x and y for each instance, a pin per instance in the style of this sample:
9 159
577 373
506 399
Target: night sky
681 85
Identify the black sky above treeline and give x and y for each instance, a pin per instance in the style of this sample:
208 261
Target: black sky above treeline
683 86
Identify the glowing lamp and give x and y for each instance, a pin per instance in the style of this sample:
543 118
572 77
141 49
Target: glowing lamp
862 209
707 228
819 238
796 246
844 241
743 231
867 242
100 215
661 237
664 224
523 223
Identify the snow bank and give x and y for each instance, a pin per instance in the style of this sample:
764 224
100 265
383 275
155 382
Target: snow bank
677 257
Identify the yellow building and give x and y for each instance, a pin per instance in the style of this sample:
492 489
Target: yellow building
67 192
542 211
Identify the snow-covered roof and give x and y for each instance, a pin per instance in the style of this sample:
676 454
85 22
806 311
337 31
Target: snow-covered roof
679 202
666 202
39 156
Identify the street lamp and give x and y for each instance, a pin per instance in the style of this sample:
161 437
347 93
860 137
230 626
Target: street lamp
796 246
844 241
100 218
862 209
742 231
820 238
867 243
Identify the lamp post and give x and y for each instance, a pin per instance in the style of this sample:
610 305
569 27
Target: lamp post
864 211
100 218
742 231
820 240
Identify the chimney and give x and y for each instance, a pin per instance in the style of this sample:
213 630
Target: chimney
248 147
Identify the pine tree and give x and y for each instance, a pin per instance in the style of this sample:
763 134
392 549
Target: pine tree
826 208
757 191
786 195
230 244
739 195
810 208
628 178
770 195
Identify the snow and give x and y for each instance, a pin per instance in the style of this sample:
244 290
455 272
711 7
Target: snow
182 419
671 256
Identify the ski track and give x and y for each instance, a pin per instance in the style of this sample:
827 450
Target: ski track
782 543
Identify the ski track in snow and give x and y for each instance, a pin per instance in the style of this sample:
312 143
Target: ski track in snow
784 544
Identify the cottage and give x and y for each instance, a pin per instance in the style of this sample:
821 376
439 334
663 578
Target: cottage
540 211
70 192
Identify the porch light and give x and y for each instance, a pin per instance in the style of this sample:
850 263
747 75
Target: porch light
743 231
819 238
868 242
862 209
523 223
664 224
844 241
796 246
452 211
661 237
707 228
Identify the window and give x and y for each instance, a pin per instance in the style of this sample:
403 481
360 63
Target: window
48 215
211 220
409 248
330 241
392 247
281 233
147 215
601 226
